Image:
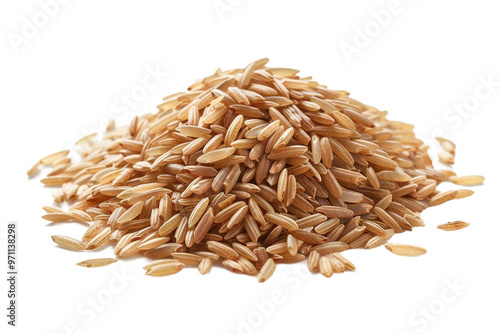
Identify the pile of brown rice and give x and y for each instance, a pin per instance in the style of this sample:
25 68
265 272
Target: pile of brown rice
253 166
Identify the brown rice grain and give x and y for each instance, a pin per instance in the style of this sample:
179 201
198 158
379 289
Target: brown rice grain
222 250
205 266
379 240
325 267
405 250
469 180
165 269
453 226
96 262
281 220
266 271
68 243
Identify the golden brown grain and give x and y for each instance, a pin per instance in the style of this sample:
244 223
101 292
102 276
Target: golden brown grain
313 261
348 265
222 250
165 269
325 266
378 240
58 217
153 243
96 262
266 271
469 180
331 247
187 258
157 262
100 239
68 243
205 266
131 213
453 226
405 250
281 220
49 159
198 212
449 195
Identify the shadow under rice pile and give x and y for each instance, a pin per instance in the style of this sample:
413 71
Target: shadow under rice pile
251 167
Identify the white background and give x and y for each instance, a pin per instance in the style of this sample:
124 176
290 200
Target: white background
65 78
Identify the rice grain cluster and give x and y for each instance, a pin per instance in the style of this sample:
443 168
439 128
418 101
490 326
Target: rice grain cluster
250 167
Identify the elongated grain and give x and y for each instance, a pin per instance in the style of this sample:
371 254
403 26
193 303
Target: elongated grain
453 226
469 180
96 262
266 271
68 243
405 250
165 269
